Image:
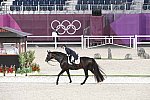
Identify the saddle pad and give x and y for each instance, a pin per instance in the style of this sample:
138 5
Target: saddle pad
77 61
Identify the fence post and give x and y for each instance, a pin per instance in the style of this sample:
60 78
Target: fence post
88 42
130 41
112 41
82 41
135 42
105 40
55 42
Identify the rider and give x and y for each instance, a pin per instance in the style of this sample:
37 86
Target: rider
71 54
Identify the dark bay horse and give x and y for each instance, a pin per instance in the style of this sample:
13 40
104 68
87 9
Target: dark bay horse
86 64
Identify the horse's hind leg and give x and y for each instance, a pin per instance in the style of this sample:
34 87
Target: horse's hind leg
86 76
69 75
62 71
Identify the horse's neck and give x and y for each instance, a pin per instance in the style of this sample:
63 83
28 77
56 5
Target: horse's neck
59 58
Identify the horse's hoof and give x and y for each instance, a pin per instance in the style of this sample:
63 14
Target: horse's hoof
56 83
70 82
82 83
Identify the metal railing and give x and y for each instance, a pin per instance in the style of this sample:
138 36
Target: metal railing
85 41
139 41
58 40
104 40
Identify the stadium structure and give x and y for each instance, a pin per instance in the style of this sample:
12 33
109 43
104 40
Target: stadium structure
85 22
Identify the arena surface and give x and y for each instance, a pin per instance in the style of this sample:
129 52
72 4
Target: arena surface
127 79
46 91
116 66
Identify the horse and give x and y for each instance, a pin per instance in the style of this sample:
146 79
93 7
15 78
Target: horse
86 63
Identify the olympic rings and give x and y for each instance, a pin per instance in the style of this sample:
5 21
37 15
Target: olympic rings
67 27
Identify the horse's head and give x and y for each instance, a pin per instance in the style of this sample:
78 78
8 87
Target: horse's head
59 56
49 56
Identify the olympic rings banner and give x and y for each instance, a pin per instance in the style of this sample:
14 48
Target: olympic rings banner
45 24
66 26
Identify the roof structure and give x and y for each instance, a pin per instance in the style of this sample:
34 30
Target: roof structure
10 32
10 35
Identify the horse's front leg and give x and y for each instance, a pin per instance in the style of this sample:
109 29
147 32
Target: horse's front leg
62 71
69 75
86 76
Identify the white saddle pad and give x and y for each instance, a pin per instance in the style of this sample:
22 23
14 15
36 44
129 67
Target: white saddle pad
76 61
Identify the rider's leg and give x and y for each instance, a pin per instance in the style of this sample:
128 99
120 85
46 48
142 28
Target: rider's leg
70 59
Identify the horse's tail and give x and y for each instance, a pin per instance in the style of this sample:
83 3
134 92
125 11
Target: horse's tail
98 73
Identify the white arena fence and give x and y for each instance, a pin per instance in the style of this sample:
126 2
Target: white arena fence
86 41
104 40
138 37
56 42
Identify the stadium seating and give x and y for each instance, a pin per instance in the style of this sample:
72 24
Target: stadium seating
102 1
49 5
146 5
34 5
102 4
146 1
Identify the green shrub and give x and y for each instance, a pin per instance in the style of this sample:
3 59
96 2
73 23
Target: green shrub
26 62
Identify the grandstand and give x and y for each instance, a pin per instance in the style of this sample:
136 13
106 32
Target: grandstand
71 6
78 17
